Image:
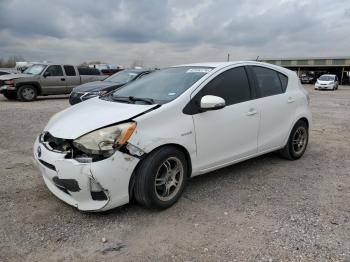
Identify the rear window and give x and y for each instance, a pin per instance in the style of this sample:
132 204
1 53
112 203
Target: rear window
88 71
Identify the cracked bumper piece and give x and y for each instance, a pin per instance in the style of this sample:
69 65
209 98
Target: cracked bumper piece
95 186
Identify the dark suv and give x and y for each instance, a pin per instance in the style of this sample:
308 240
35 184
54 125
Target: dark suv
93 89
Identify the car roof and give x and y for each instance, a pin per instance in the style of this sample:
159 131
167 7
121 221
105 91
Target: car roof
219 65
136 70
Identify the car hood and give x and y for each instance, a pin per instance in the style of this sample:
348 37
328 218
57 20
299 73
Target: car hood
14 76
325 82
90 115
94 86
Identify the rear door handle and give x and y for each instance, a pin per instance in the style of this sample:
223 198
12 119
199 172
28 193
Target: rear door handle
63 79
291 100
252 112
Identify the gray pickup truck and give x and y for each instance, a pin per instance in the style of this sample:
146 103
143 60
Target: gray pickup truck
46 79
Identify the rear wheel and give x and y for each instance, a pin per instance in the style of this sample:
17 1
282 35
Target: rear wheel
10 95
161 178
297 142
27 93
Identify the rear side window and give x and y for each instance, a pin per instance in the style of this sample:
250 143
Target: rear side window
88 71
268 81
284 81
232 85
55 70
69 70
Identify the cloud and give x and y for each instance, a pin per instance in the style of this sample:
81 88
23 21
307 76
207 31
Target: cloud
163 32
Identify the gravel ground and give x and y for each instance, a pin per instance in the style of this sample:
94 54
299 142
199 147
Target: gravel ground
265 209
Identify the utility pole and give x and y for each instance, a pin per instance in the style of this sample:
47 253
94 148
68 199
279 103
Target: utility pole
228 57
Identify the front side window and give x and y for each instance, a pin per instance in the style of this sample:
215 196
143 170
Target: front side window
164 85
231 85
268 81
55 70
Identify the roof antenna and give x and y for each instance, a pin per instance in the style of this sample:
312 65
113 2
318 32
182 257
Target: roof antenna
257 59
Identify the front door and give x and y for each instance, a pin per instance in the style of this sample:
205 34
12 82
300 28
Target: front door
228 134
53 80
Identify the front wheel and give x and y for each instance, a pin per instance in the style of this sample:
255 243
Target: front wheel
27 93
297 142
161 178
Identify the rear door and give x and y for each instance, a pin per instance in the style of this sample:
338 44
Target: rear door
72 78
277 107
230 133
54 82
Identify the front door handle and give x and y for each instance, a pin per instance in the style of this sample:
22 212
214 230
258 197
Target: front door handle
252 112
291 100
63 79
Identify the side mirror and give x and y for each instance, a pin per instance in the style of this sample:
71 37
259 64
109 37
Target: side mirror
46 74
212 103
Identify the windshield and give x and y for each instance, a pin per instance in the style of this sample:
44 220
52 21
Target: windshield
164 85
326 78
122 77
35 69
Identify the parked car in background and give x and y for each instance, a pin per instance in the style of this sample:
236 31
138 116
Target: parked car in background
93 89
145 139
46 79
307 79
328 81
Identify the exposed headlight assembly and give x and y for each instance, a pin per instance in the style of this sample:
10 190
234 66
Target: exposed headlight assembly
105 141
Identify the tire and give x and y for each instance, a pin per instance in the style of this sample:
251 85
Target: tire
295 148
27 93
155 187
10 95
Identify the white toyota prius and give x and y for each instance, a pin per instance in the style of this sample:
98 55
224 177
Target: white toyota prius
146 139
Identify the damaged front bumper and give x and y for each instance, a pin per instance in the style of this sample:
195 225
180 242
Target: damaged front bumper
92 186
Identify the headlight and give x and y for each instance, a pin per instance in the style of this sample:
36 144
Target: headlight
10 82
106 140
89 95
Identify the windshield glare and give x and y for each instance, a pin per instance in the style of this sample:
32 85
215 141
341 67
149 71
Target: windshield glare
35 69
122 77
326 78
164 85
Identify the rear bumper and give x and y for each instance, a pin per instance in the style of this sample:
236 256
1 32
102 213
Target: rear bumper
71 181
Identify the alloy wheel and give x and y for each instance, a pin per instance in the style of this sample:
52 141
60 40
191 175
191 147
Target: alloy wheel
299 139
169 179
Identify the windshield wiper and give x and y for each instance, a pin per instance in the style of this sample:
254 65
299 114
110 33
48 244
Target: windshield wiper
132 99
146 100
124 99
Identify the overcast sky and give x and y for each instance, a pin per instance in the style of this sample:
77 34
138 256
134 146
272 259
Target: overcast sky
162 33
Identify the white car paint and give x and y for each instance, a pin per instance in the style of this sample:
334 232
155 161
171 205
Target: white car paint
327 84
212 139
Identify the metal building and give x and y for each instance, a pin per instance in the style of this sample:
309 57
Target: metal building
339 66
